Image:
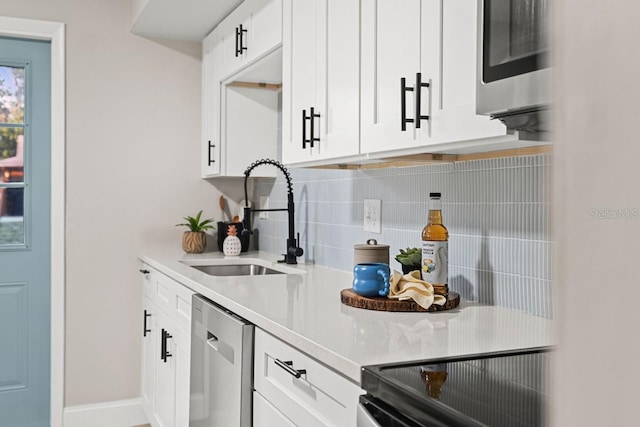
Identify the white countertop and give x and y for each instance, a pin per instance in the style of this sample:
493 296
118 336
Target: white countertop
305 311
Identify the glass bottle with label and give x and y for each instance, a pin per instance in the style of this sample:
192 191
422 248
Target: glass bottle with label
435 247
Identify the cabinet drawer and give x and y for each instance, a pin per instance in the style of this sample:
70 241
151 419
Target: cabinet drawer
172 298
318 397
266 415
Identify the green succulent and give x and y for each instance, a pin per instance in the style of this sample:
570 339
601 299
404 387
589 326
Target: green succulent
194 224
410 256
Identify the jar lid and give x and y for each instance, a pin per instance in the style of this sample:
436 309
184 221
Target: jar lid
372 244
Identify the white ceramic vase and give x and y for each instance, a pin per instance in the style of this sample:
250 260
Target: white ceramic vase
231 246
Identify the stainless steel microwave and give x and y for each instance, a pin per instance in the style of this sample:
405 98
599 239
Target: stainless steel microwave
514 75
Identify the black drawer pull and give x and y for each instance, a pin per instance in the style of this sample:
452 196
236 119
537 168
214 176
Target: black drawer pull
287 366
144 271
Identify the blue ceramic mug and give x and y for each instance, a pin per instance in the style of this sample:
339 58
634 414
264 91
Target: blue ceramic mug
371 279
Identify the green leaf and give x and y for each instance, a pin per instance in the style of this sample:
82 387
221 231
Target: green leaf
410 256
194 224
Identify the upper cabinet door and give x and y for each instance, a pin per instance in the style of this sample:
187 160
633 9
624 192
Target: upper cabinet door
448 57
337 79
321 66
391 47
264 29
210 158
251 31
432 45
298 77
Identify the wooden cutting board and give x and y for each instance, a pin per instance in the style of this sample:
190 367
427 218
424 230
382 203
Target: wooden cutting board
350 298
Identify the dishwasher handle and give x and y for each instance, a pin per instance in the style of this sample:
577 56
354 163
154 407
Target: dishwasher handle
222 348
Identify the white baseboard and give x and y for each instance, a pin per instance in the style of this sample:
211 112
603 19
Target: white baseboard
120 413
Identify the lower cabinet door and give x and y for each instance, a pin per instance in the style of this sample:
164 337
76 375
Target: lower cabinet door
165 399
183 374
149 355
166 350
171 405
266 415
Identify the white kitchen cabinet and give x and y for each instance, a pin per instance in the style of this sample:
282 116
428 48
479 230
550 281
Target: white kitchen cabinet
148 383
320 106
266 415
453 96
210 153
427 39
391 44
248 33
299 390
171 402
354 81
165 350
240 124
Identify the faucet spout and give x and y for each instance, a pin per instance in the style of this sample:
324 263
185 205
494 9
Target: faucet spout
293 249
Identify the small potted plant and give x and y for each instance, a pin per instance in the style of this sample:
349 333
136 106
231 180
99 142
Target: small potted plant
194 241
410 259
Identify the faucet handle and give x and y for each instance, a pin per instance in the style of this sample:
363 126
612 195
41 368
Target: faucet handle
295 249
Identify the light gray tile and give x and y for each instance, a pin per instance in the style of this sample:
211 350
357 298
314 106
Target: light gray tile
496 210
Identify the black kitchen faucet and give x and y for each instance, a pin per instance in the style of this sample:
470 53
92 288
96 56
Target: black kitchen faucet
293 250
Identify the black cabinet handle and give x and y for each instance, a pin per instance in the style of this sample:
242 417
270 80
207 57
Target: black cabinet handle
210 147
403 107
304 129
312 118
239 38
144 326
419 86
143 271
288 366
164 353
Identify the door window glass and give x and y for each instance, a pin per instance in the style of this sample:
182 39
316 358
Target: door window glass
12 139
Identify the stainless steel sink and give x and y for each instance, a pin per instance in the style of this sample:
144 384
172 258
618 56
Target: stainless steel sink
239 267
236 270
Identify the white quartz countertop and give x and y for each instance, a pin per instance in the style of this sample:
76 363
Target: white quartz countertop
305 311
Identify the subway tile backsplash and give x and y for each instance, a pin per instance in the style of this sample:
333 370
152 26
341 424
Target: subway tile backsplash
497 212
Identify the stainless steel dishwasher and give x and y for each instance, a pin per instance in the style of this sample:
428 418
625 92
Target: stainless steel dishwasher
221 367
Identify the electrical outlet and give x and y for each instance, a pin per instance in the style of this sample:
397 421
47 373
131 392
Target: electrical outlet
373 215
264 204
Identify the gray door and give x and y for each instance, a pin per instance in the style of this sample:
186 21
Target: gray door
25 152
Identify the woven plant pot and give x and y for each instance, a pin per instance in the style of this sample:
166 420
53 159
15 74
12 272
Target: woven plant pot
194 242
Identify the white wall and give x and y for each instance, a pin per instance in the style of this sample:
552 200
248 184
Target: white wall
133 131
597 151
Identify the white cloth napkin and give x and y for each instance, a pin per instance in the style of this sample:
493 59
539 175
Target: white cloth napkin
411 286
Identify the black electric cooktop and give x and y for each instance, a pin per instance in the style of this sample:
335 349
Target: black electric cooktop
506 389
